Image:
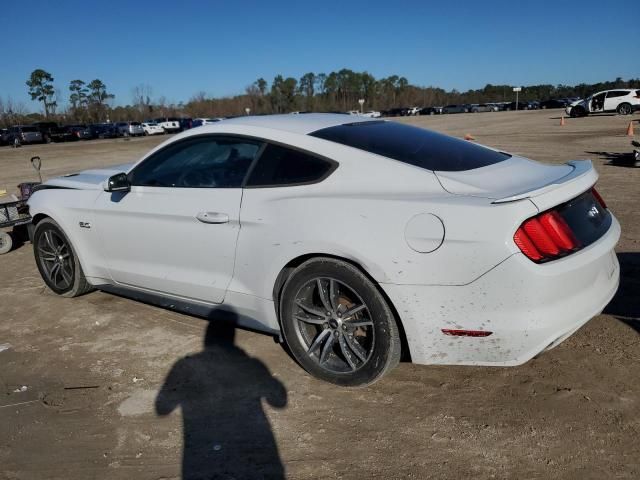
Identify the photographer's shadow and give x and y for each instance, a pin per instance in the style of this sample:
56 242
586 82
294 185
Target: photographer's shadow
220 390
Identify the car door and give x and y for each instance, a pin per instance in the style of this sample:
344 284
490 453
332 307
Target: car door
614 98
175 231
597 102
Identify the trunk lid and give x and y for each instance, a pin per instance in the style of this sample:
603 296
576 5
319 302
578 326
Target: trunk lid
519 178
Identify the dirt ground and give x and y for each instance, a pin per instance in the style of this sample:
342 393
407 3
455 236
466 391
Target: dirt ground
104 387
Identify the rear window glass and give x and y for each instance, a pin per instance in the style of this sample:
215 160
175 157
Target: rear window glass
412 145
280 166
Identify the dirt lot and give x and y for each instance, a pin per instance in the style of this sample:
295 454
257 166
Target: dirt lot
103 387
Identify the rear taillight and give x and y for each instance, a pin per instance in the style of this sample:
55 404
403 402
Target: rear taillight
547 236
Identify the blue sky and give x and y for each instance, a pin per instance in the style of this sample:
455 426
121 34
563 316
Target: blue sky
183 47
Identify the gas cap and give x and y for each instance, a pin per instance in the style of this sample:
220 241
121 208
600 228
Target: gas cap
424 233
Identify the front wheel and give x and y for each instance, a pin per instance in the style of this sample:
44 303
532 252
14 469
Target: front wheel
577 112
57 261
337 324
6 242
624 109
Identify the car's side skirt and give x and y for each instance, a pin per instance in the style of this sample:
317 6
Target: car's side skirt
244 317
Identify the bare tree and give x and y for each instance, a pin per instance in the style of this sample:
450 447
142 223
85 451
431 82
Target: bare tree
141 96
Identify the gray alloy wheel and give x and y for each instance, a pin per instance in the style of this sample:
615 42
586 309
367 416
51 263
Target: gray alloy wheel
57 261
334 325
624 109
337 324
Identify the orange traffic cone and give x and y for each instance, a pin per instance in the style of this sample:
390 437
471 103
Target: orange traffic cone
469 137
562 121
630 129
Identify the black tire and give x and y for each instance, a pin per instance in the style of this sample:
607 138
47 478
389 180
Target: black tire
335 358
624 109
6 242
577 112
67 280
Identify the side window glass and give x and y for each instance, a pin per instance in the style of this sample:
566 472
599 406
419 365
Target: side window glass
279 166
203 162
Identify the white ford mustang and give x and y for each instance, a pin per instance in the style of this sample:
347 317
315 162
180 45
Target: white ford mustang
352 240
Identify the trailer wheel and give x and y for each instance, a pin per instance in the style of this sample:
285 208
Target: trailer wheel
6 243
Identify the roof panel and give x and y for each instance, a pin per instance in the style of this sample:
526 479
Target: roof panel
302 123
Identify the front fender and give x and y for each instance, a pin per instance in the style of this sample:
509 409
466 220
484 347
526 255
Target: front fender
68 208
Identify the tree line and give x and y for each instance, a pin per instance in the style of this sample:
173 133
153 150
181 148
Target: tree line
336 91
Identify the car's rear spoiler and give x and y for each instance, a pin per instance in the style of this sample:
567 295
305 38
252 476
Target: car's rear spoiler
581 178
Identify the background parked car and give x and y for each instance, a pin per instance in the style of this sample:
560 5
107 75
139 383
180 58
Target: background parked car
622 101
151 128
428 111
103 130
483 107
455 109
132 129
521 106
52 132
4 136
24 134
554 103
198 122
396 112
81 132
186 124
371 114
169 124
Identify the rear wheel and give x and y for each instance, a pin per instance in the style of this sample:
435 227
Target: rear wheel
57 261
624 109
337 324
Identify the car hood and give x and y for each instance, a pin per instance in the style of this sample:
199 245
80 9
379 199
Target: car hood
88 179
577 102
515 178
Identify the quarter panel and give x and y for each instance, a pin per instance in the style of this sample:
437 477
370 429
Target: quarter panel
365 221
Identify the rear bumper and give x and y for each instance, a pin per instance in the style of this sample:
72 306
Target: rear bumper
529 307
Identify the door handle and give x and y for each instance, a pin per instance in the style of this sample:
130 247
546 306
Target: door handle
212 217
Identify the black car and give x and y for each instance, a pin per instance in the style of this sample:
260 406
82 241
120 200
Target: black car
521 106
52 132
4 136
395 112
186 124
455 109
81 132
430 111
103 130
554 103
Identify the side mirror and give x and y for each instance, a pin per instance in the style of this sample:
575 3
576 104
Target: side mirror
118 183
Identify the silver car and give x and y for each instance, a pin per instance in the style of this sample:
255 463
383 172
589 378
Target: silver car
130 129
20 134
